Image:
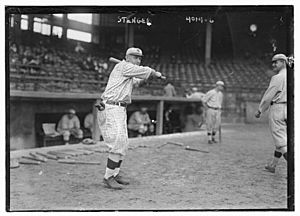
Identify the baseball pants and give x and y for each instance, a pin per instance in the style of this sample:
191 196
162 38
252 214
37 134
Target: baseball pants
278 125
113 125
213 120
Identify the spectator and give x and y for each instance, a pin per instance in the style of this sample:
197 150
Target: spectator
169 90
140 122
13 48
196 94
69 125
79 48
172 121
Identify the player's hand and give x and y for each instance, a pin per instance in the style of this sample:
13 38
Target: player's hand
257 114
100 105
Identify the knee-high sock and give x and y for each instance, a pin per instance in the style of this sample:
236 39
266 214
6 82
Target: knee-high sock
209 134
213 135
117 170
112 164
277 155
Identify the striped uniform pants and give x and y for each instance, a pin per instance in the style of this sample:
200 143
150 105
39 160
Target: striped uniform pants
213 119
278 124
113 125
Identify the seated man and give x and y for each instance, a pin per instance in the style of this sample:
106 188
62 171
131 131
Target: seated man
68 125
89 122
140 122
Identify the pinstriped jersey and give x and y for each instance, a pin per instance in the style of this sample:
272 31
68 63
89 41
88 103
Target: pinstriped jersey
213 98
276 91
121 81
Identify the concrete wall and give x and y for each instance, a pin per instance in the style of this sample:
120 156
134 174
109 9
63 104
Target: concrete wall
238 108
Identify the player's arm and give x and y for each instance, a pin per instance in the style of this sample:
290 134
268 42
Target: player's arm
76 123
174 91
268 96
206 98
64 123
141 72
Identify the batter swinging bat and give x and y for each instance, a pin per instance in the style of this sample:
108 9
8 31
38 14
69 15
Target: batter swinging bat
114 60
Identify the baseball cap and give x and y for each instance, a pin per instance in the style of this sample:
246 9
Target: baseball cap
134 51
72 111
279 57
220 83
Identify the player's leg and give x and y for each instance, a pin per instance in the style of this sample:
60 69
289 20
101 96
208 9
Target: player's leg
109 128
77 132
216 123
122 149
278 128
66 136
209 125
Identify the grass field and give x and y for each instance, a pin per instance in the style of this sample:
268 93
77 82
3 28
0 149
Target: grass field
230 176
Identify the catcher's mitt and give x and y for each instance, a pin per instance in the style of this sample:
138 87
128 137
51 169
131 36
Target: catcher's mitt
100 105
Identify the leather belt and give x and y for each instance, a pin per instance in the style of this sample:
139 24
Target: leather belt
123 104
214 108
272 103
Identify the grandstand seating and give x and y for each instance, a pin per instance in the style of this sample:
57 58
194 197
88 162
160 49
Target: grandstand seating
60 69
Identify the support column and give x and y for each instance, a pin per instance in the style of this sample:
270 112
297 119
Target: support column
159 117
96 130
208 41
130 36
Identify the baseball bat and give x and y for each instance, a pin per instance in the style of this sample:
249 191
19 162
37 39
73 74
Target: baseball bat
29 162
220 134
59 155
175 143
33 158
47 156
193 149
70 161
115 60
38 157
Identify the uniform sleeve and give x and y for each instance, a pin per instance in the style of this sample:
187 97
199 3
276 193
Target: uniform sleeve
88 121
207 96
64 123
148 120
76 123
269 94
174 91
131 70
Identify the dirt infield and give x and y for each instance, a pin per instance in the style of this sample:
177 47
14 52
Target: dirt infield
230 176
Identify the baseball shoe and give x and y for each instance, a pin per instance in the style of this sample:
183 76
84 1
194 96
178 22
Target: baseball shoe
112 184
270 168
121 180
210 142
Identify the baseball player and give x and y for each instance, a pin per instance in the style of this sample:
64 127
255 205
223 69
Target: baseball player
274 100
112 118
212 101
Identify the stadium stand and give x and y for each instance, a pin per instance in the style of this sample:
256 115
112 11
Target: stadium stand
53 67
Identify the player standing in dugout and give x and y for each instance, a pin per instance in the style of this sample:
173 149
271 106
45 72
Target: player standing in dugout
274 100
112 116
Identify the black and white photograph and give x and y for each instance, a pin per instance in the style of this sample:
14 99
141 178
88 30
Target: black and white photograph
149 108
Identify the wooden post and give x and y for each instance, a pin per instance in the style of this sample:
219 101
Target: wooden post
159 117
96 130
130 35
208 43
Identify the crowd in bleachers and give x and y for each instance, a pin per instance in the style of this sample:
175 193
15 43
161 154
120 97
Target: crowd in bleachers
44 67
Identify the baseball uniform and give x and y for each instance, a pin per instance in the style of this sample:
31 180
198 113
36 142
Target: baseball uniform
213 100
274 100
